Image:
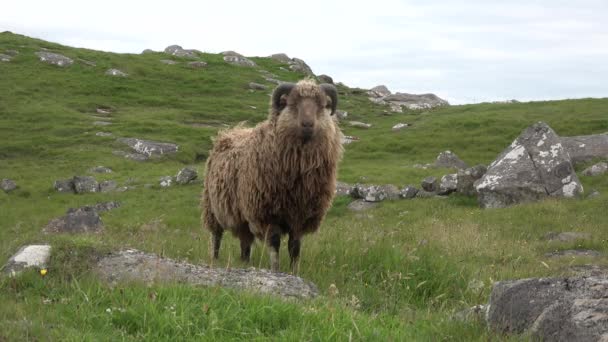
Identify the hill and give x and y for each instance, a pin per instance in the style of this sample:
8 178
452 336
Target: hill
401 270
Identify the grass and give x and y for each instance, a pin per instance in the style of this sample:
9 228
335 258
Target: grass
401 269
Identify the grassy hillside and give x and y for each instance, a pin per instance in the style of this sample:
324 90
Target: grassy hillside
401 269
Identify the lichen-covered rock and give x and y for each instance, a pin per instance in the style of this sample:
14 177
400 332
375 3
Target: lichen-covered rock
108 186
100 169
343 189
64 185
448 184
341 115
166 181
430 184
80 220
197 64
116 72
379 91
5 58
281 57
148 147
400 126
135 266
585 148
533 167
299 65
361 205
239 60
168 61
8 185
466 179
27 257
409 192
375 193
596 170
257 86
83 184
178 51
186 175
449 159
54 59
359 124
347 139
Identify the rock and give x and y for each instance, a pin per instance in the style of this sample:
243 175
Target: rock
100 169
551 309
448 184
11 52
197 64
361 205
593 194
64 185
281 57
379 91
186 175
574 253
359 124
150 148
375 193
400 126
103 134
27 257
231 53
474 313
430 184
340 114
168 61
257 86
148 51
105 206
80 220
409 192
116 72
413 101
178 51
396 108
347 139
449 159
84 184
466 179
299 65
54 59
166 181
241 61
105 111
8 185
567 236
325 79
343 189
107 186
130 266
596 170
533 167
5 58
585 148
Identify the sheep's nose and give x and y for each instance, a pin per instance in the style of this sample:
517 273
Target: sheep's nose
308 124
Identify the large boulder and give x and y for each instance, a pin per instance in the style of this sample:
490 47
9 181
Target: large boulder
379 91
281 57
178 51
325 79
299 65
586 148
533 167
551 309
54 59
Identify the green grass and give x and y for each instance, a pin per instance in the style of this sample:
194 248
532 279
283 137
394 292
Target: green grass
402 269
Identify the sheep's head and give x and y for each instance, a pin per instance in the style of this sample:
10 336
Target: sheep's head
304 110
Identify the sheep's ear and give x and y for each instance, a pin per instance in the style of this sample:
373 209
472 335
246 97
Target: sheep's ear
279 96
332 93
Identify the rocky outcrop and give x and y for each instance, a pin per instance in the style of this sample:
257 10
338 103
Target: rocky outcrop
134 266
585 148
379 92
381 95
325 79
148 147
239 60
176 50
54 59
533 167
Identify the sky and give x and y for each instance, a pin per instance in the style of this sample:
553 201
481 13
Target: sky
463 51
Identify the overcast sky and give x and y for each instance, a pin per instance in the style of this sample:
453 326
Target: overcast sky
463 51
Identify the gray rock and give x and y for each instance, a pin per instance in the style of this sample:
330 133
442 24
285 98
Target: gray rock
551 309
178 51
325 79
347 139
11 52
257 86
299 65
375 193
341 115
413 101
105 206
54 59
103 134
83 184
197 64
574 253
241 61
64 185
409 192
567 236
166 181
585 148
136 157
358 124
395 107
343 189
448 184
148 51
80 220
231 53
449 159
27 257
430 184
379 91
168 61
474 313
466 179
148 147
281 57
5 58
596 170
108 186
361 205
186 175
400 126
104 111
8 185
116 72
593 194
100 169
130 266
533 167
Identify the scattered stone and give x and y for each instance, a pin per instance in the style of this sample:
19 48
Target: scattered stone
281 57
5 58
343 189
54 59
100 169
347 139
257 86
574 253
197 64
116 72
84 184
449 159
168 61
241 61
596 170
64 185
585 148
325 79
27 257
104 110
361 205
422 166
166 181
103 134
448 184
131 265
466 179
400 126
108 186
359 124
375 193
533 167
567 236
551 309
106 206
186 175
379 91
80 220
409 192
8 185
178 51
136 157
148 147
340 114
413 101
430 184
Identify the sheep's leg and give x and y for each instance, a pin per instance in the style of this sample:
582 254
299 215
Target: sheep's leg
246 237
294 252
274 242
216 241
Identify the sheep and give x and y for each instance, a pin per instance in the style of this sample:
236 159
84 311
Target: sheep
278 177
